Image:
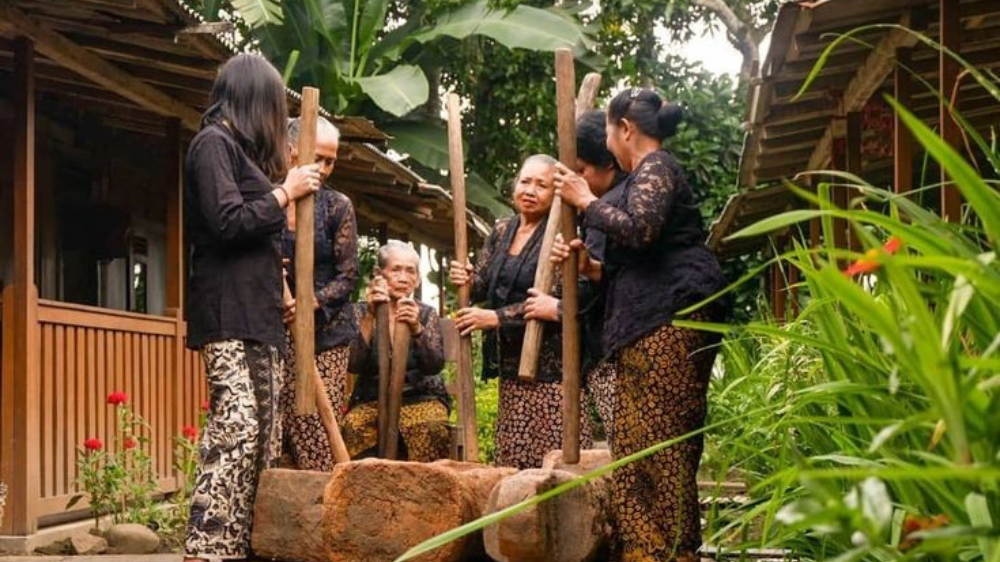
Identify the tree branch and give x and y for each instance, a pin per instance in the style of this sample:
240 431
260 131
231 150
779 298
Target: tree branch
742 34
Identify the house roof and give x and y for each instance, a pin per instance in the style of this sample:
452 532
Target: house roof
135 64
790 133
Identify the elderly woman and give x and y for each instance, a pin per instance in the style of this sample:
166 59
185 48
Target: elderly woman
335 275
530 421
655 264
423 419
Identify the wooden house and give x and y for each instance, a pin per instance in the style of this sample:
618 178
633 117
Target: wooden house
98 99
842 122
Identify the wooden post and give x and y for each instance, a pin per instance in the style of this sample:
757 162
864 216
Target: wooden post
545 276
19 431
838 161
175 217
383 341
566 109
400 356
854 166
175 268
951 30
304 329
467 425
778 291
902 138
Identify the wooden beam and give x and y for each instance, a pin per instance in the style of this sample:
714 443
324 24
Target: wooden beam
19 460
951 133
854 165
175 216
865 83
80 60
902 138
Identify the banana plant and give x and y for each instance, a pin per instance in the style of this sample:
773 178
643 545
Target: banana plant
346 47
360 56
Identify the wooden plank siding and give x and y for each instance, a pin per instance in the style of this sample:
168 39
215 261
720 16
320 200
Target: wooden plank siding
87 353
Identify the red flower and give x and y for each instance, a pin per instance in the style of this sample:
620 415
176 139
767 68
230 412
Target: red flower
190 432
892 245
916 523
130 443
205 406
93 444
117 398
870 262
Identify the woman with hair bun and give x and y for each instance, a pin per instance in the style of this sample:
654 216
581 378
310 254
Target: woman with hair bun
655 264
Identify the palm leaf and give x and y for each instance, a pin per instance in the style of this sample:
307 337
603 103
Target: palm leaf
399 91
258 13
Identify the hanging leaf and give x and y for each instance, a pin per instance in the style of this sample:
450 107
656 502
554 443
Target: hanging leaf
428 145
258 13
524 27
399 91
372 22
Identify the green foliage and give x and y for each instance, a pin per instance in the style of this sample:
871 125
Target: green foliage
869 425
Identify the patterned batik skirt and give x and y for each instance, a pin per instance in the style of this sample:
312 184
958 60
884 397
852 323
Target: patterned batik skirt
241 439
601 389
423 427
530 423
661 394
305 437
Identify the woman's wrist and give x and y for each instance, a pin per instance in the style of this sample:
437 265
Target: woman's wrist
284 196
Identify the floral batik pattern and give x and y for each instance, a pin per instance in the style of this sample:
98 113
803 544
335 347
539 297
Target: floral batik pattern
530 423
423 427
661 394
305 436
601 389
241 439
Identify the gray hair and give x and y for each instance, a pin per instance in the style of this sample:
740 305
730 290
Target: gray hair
390 246
540 158
322 123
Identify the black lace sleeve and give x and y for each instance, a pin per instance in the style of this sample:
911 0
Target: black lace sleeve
342 223
483 258
647 204
429 345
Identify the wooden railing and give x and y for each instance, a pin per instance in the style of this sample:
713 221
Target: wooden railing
87 353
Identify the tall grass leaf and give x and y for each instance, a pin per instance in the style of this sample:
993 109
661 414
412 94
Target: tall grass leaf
982 198
979 516
961 294
775 223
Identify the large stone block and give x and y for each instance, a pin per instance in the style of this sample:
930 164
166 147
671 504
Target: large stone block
572 527
288 515
375 510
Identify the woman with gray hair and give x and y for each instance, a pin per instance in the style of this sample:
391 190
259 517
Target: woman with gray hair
423 418
530 421
336 272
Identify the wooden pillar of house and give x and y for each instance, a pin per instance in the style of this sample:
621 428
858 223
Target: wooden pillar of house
794 277
951 29
174 185
838 161
778 291
853 165
902 138
19 431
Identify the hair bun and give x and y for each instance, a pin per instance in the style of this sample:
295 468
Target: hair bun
668 118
